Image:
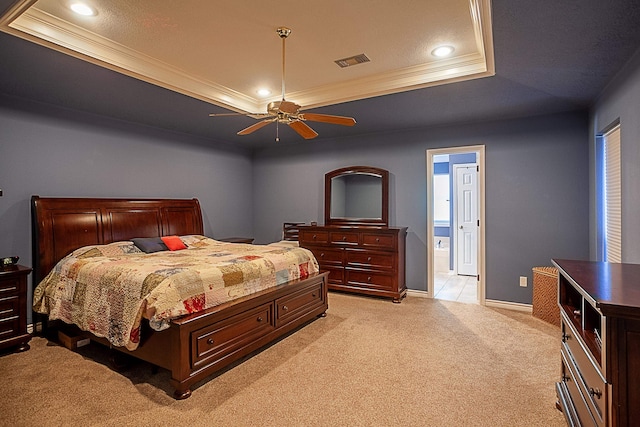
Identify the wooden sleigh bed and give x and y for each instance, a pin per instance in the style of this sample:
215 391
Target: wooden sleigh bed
197 345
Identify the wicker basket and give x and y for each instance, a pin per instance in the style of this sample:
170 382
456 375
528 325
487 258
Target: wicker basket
545 294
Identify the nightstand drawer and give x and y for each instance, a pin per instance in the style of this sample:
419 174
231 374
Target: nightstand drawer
9 287
9 307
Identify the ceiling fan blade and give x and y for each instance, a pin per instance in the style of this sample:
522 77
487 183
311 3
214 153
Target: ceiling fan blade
325 118
255 127
226 114
305 131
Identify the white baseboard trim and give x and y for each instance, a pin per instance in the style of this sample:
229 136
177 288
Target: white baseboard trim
507 305
30 328
417 293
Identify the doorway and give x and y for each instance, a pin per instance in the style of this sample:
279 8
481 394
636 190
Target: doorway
455 224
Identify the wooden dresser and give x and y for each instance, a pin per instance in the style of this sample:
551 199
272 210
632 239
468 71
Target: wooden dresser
13 307
364 260
600 352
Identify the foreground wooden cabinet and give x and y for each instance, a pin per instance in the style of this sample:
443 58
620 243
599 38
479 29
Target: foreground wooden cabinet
600 352
13 308
364 260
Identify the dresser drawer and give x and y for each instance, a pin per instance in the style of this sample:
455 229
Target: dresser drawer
367 279
314 236
336 274
231 334
289 307
343 238
10 287
570 379
589 378
370 259
327 256
378 240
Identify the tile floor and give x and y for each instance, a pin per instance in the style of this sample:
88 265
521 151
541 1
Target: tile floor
450 287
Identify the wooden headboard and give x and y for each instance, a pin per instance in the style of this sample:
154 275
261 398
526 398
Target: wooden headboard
61 225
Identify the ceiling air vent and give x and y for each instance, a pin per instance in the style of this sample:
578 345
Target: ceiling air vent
353 60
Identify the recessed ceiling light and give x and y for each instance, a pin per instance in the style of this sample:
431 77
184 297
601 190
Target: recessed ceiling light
82 9
264 92
442 51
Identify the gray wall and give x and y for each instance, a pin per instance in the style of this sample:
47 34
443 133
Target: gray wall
621 101
54 152
537 191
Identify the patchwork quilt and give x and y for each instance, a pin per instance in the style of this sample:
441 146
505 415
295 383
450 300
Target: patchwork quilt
108 289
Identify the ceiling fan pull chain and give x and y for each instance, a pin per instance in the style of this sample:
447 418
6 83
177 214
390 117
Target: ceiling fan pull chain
277 133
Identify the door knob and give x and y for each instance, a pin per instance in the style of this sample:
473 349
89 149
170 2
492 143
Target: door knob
461 227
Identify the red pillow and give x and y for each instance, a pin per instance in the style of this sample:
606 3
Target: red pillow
174 243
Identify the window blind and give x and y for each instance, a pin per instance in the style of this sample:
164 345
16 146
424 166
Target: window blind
613 195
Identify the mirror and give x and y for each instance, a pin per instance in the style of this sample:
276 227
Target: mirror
356 195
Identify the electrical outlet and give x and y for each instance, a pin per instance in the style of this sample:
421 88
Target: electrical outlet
523 281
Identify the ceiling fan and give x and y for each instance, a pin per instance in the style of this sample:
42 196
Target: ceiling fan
287 112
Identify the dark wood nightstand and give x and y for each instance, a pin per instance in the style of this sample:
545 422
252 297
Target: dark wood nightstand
248 240
13 307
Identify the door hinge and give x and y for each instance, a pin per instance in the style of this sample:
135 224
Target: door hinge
477 168
478 223
478 277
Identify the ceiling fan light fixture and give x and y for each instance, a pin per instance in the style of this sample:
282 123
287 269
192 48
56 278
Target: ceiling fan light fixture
442 51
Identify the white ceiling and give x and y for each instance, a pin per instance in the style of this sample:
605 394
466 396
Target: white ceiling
223 51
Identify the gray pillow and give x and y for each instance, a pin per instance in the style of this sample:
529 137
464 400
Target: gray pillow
150 244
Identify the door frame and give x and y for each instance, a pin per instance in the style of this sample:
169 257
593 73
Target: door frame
480 158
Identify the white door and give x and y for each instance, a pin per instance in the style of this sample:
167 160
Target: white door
466 220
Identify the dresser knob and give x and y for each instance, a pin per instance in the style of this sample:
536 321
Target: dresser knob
313 295
595 392
565 336
566 378
369 279
344 238
210 341
322 255
369 259
259 319
285 308
377 240
314 237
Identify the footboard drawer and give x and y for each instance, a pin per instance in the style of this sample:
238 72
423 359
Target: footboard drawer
213 342
289 308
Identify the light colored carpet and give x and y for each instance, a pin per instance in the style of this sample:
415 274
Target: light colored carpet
368 363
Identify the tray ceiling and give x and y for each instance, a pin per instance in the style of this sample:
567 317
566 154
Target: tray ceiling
222 52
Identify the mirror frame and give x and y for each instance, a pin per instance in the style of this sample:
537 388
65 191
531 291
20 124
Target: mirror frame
352 170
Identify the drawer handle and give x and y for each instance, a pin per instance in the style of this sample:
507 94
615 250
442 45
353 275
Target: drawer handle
314 237
322 255
259 319
369 259
369 279
313 295
344 238
285 308
210 341
576 313
595 392
377 240
565 337
566 378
